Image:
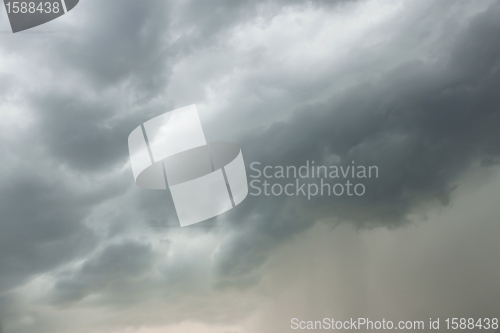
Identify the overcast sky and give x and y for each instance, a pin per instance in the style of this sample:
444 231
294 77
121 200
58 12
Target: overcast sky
411 86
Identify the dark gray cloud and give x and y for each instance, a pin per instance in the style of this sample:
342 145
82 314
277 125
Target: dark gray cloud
288 81
422 124
83 134
118 64
115 270
41 228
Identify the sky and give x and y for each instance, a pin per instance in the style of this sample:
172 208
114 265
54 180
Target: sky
409 86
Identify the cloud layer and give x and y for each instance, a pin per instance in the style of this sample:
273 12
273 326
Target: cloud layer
411 87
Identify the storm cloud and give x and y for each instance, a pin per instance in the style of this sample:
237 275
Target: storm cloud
411 87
